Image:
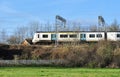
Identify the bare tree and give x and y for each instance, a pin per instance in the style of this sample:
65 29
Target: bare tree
48 26
3 36
73 26
76 26
21 33
32 28
18 36
13 40
114 26
93 28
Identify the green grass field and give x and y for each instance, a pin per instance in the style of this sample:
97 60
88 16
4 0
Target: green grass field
57 72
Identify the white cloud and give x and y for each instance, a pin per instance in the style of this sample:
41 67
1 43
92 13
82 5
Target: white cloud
63 2
85 21
5 7
7 10
89 21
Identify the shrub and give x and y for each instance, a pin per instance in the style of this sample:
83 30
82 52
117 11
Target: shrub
101 54
41 53
116 57
76 55
104 54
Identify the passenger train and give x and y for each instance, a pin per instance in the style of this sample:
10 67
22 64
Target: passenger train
71 36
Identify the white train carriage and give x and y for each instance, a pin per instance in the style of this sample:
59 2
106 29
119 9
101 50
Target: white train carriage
42 37
35 38
68 36
63 36
92 36
113 36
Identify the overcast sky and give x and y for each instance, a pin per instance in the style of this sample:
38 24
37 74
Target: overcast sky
15 13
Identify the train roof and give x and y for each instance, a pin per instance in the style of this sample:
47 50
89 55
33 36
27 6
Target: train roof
64 31
71 31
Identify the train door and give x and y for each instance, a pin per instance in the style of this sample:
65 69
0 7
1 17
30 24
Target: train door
83 37
53 37
105 35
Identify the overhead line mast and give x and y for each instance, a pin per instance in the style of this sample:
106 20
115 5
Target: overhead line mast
57 20
101 23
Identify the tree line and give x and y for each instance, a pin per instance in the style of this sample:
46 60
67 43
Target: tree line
23 32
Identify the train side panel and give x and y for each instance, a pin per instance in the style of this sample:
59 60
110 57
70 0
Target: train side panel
42 37
45 36
93 36
68 37
36 38
113 36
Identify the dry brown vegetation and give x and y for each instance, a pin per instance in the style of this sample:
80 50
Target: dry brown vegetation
101 54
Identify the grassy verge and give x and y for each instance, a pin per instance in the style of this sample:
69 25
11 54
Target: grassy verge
57 72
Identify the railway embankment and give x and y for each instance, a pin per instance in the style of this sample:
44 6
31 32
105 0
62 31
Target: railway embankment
101 54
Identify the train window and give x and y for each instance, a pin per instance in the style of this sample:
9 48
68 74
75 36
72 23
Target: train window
64 36
99 35
73 36
92 35
38 35
118 35
45 36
